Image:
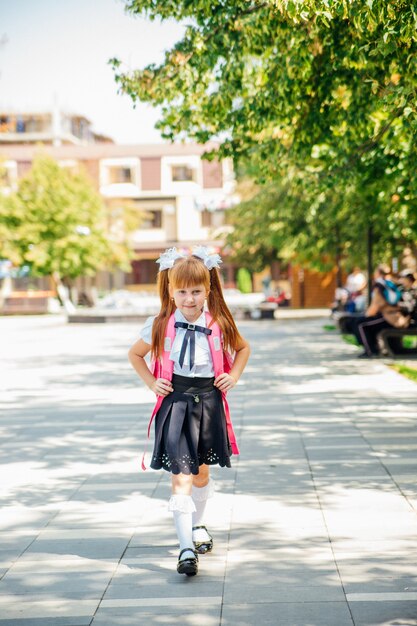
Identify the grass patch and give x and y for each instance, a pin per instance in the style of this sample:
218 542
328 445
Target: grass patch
329 327
405 370
350 339
410 341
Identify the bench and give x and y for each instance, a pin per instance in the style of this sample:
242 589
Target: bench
264 310
390 340
343 318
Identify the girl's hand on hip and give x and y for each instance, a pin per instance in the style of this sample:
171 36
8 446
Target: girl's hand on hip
224 382
162 387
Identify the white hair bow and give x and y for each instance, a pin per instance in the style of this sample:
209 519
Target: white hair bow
210 260
168 258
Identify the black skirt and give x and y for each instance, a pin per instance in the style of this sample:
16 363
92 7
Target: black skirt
190 428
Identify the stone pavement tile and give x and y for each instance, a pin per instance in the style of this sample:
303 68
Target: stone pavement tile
355 546
47 563
287 614
366 503
89 548
341 455
52 533
396 434
367 480
24 607
158 616
349 468
236 593
375 524
63 584
256 567
171 586
342 445
162 534
74 620
370 572
16 543
4 568
384 613
392 584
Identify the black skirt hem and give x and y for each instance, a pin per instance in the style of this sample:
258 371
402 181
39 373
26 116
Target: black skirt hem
186 470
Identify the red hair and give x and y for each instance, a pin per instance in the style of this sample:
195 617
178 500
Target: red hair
190 272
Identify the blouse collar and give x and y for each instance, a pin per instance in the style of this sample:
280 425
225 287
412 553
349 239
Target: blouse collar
179 317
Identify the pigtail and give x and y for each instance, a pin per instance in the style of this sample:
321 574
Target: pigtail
221 313
161 320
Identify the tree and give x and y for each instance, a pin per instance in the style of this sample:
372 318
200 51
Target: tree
282 77
55 223
316 92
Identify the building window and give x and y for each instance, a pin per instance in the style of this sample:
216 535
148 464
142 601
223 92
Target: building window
152 219
119 174
143 272
206 218
183 173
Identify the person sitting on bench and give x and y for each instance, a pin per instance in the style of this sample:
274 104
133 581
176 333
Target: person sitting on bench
383 312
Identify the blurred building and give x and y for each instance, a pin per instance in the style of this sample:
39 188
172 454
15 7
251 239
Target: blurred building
56 128
176 197
180 198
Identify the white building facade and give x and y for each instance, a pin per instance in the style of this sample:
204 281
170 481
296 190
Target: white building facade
181 199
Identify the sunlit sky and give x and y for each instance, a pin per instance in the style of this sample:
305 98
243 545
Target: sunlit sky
58 50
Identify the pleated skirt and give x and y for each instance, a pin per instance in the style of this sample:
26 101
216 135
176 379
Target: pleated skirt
190 428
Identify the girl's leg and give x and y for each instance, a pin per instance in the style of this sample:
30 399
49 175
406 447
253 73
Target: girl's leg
182 506
202 489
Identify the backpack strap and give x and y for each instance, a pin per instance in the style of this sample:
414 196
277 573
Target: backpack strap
222 362
162 368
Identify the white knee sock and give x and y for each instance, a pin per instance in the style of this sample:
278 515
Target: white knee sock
183 508
200 496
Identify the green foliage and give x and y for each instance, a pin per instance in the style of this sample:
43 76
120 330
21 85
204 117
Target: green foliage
282 75
244 280
405 370
351 339
314 99
56 224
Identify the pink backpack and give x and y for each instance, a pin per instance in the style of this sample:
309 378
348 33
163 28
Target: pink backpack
222 362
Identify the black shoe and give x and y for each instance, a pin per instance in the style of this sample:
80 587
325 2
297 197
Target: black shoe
203 546
365 355
187 566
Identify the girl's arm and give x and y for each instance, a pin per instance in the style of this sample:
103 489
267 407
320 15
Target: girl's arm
224 382
136 354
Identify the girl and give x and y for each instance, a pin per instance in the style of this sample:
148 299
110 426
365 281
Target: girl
191 373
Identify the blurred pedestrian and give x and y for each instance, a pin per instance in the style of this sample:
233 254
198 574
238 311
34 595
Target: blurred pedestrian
383 312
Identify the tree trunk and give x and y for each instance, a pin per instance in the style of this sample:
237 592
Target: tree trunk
5 290
370 262
339 282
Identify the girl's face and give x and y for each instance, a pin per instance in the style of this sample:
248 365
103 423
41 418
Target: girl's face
190 301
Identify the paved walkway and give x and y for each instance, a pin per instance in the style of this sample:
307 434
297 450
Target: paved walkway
315 524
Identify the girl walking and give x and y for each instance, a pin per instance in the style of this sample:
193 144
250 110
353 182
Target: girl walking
192 370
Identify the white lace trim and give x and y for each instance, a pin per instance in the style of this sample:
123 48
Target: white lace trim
203 493
179 502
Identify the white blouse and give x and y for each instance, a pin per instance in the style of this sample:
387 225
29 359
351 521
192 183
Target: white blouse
203 365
